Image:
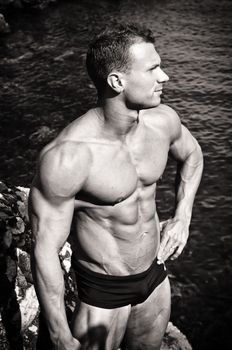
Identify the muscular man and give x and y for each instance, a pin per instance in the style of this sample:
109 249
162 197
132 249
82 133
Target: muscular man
102 170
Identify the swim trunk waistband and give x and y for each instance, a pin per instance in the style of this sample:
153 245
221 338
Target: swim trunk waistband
109 292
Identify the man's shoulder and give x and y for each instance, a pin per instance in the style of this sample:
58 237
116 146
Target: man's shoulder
83 126
63 167
162 113
64 163
64 152
70 145
164 118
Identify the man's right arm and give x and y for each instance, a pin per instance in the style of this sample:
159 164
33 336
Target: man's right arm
51 204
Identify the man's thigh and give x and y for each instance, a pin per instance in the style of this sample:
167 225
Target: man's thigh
100 329
148 321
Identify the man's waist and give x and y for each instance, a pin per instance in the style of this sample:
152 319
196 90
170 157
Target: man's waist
108 291
117 266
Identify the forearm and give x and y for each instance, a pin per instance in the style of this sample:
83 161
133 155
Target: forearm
49 284
187 183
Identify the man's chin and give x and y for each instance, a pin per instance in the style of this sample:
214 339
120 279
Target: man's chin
148 105
153 104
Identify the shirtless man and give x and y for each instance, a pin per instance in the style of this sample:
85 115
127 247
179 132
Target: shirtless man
103 170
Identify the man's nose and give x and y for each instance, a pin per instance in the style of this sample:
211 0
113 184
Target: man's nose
162 77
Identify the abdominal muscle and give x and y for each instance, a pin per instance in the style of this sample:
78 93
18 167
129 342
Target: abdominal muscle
122 239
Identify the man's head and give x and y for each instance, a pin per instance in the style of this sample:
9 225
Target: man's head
109 51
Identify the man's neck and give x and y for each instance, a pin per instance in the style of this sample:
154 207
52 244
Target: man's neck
118 119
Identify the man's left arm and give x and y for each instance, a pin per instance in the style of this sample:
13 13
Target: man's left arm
187 152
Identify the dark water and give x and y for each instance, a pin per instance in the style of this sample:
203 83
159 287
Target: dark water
44 86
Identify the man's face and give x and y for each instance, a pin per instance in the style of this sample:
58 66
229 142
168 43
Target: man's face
143 84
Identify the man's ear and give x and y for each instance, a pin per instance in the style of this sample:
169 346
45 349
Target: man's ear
115 81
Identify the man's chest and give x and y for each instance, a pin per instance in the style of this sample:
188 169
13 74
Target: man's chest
117 171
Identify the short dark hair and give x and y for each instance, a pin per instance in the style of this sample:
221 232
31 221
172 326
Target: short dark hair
110 50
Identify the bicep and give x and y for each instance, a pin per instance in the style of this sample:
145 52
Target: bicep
184 145
50 218
62 171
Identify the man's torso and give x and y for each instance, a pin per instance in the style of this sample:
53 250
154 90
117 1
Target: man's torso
116 223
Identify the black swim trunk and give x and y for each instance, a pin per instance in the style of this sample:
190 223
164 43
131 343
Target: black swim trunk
109 292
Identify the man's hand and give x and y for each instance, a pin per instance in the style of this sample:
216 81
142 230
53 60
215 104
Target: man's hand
71 345
174 235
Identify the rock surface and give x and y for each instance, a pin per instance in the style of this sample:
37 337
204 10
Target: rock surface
4 26
19 304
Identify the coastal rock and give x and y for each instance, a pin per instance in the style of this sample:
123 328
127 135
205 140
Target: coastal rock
174 339
4 26
29 308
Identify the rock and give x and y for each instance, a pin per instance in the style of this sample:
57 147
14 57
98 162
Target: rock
13 228
4 26
24 264
174 339
29 308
